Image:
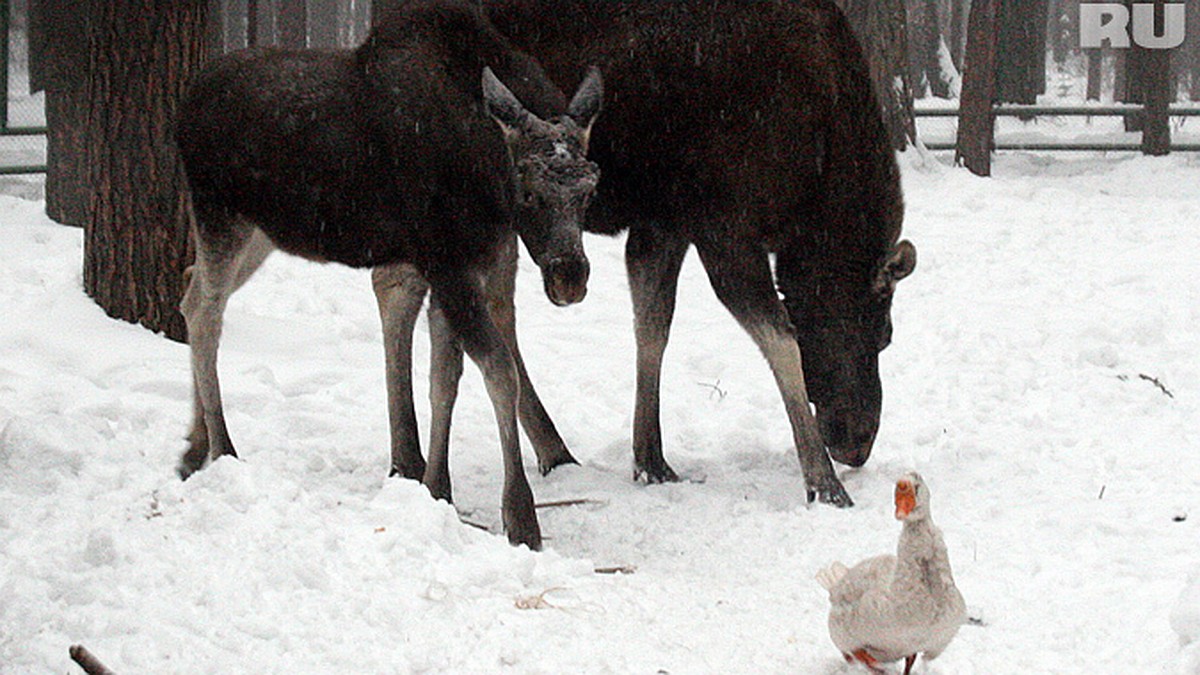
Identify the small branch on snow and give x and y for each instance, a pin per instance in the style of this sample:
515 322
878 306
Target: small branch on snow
716 390
86 660
1155 382
1101 495
477 526
619 569
567 502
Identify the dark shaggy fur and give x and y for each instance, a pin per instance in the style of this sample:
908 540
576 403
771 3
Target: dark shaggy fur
388 155
743 128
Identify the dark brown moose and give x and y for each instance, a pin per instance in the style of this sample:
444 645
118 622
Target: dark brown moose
385 155
744 129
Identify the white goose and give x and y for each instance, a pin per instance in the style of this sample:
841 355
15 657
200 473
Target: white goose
891 607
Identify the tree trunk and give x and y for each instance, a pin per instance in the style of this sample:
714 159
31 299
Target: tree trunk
975 121
323 23
292 23
136 244
881 27
1191 49
58 35
924 50
1021 57
252 24
959 9
1154 66
1095 74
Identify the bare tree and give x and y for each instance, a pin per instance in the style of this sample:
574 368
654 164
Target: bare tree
292 18
928 56
881 27
1156 89
141 55
975 120
58 34
1021 64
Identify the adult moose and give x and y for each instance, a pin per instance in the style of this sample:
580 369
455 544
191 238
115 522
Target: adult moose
388 154
744 129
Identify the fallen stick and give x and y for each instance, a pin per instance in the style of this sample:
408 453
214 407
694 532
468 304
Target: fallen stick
86 660
567 502
619 569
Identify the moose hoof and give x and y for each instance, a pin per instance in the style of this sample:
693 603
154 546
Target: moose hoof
545 466
654 473
414 470
192 461
528 534
520 518
831 493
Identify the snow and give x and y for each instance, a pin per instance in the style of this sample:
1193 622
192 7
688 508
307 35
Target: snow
1043 378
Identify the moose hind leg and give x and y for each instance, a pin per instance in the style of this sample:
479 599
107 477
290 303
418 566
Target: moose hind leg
445 371
462 301
227 252
400 291
547 444
653 259
740 273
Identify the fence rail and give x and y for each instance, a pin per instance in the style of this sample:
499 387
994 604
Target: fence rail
1012 110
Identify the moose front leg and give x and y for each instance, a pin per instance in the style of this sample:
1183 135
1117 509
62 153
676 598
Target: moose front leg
463 306
500 287
400 291
653 259
740 273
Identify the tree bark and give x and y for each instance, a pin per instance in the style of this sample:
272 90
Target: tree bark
1095 74
323 18
924 50
292 23
959 9
58 34
976 123
1154 66
881 27
1021 59
136 244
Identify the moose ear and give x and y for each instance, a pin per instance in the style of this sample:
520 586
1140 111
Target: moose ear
586 103
502 105
899 264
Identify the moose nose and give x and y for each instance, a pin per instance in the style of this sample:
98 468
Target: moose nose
565 280
849 437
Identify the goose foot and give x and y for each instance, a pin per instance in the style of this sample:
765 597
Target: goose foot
866 659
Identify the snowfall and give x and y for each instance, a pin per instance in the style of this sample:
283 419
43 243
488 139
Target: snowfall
1044 379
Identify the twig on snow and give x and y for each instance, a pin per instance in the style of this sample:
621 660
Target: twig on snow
568 502
1155 382
716 390
86 660
619 569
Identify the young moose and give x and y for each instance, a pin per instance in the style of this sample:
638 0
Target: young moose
389 154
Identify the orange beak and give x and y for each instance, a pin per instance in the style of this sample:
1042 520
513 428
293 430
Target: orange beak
906 499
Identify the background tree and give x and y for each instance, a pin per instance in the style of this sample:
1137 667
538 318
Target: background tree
975 121
1021 64
1153 87
881 27
930 63
292 23
136 244
58 60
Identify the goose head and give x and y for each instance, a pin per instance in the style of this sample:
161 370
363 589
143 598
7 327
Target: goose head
912 497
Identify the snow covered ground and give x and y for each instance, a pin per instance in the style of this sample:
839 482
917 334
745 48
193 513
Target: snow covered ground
1044 379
